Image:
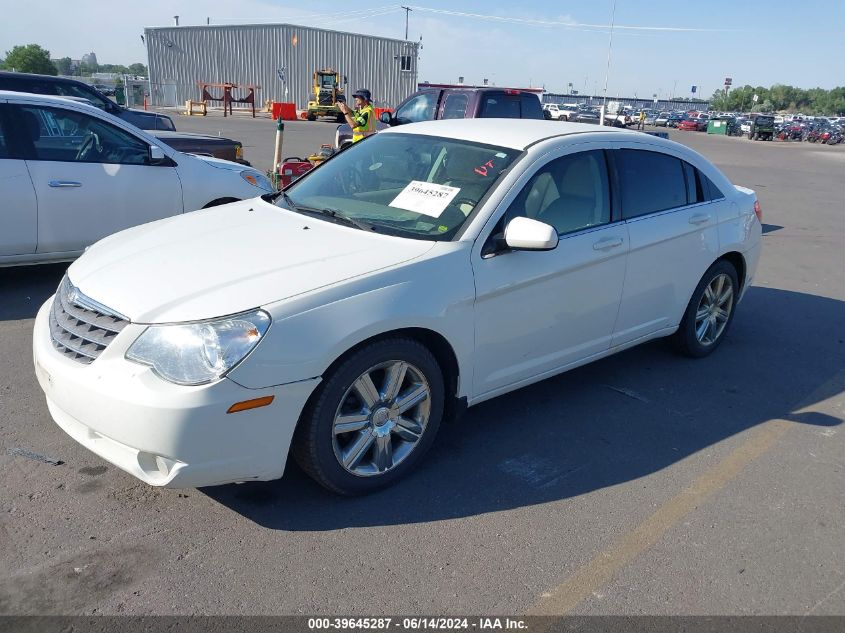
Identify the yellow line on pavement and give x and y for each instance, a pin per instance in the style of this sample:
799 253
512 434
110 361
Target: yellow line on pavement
601 570
827 398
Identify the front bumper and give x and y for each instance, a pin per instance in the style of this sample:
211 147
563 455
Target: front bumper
165 434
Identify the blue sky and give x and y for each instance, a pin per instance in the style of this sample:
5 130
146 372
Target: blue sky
517 44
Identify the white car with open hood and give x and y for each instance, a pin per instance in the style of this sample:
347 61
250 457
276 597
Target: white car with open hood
424 269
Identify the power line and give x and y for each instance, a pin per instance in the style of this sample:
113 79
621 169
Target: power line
567 24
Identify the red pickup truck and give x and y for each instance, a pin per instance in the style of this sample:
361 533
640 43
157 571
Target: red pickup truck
430 104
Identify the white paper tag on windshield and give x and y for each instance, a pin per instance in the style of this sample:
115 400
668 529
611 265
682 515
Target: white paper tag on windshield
425 197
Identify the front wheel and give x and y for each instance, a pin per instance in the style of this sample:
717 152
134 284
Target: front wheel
373 419
709 313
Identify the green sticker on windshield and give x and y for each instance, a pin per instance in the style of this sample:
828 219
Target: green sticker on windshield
442 228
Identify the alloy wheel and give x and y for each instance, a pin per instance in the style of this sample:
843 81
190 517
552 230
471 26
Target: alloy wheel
381 418
714 309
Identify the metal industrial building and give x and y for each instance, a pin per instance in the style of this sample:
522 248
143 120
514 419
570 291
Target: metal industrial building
276 57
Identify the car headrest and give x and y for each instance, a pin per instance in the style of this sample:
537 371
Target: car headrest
31 126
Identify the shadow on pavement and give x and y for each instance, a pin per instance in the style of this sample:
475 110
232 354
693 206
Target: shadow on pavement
577 433
771 228
25 288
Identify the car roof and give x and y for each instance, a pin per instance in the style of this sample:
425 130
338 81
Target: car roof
12 96
512 133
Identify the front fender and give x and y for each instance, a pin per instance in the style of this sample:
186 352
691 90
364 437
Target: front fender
309 333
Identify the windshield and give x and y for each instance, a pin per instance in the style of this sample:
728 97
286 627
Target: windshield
416 186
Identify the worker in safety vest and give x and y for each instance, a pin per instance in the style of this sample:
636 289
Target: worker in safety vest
363 118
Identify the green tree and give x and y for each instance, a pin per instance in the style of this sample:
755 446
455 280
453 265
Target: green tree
138 69
64 66
30 59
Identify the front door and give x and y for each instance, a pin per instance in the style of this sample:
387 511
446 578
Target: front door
538 312
19 208
91 177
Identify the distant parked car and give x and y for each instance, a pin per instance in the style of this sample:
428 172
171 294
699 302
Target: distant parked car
62 87
587 116
675 118
662 119
204 145
73 174
106 90
432 104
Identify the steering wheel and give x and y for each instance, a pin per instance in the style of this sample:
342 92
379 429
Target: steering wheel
91 142
464 200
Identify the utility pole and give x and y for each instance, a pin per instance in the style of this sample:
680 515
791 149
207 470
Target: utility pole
407 12
609 48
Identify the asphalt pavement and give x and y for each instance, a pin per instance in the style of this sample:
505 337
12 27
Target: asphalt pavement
645 483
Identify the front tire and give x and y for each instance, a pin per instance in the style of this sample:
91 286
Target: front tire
373 418
709 313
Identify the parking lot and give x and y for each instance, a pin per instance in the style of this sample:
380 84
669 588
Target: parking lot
645 483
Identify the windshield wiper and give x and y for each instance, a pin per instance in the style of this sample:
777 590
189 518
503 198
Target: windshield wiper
339 216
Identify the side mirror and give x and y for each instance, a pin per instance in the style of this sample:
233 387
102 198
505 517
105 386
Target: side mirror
157 156
525 234
385 118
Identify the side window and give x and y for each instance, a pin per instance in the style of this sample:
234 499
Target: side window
649 182
4 143
72 90
455 106
570 193
531 108
419 108
70 136
499 106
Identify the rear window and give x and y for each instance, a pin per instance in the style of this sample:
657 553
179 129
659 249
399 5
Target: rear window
764 120
500 106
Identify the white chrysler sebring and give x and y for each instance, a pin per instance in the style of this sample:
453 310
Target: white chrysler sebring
422 270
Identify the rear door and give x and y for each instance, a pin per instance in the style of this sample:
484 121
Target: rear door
91 178
673 233
18 206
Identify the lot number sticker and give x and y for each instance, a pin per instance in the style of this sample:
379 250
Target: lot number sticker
425 197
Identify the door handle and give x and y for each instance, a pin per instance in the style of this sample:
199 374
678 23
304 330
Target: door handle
609 242
64 183
699 218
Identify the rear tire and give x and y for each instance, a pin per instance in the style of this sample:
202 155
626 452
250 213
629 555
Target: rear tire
709 313
388 397
312 117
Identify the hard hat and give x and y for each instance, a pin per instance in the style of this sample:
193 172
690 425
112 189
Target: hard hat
364 94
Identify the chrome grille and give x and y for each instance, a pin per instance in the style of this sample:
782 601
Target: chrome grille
80 327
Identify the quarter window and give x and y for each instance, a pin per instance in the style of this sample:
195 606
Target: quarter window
571 193
649 182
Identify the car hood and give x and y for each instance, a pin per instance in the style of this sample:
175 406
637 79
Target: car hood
228 259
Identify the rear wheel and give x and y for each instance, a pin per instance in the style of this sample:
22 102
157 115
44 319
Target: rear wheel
373 419
710 311
312 117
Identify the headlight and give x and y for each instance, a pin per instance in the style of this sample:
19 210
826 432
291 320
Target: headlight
257 179
199 353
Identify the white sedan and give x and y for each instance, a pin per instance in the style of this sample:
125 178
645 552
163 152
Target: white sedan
72 174
422 270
